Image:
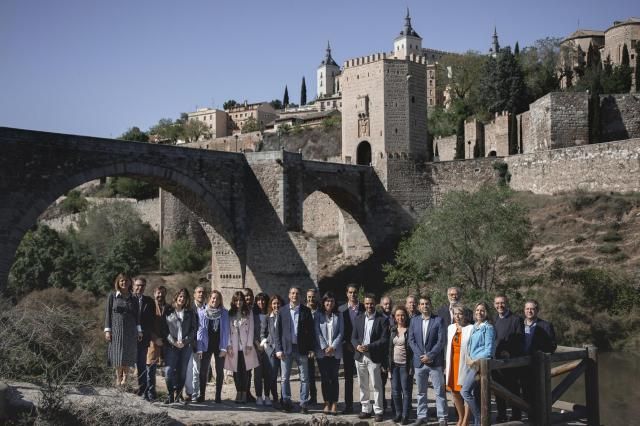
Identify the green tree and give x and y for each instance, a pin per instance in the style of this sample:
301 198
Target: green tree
132 188
167 130
276 104
303 92
229 104
134 134
625 56
516 50
251 125
43 259
193 130
184 256
285 98
539 65
469 238
74 202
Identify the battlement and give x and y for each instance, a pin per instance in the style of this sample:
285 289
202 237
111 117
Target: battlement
376 57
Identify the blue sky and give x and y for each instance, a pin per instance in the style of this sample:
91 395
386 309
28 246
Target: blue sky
97 67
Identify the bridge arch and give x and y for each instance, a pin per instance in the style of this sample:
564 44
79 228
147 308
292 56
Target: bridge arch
29 204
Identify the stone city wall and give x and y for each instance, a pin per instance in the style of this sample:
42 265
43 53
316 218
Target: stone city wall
474 133
496 136
612 166
320 215
620 116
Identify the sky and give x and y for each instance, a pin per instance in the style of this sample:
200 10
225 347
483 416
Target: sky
95 67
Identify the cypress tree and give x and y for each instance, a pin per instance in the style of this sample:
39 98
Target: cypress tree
285 98
303 93
460 149
637 75
516 50
625 56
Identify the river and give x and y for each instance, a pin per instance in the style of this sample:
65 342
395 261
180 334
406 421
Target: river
619 376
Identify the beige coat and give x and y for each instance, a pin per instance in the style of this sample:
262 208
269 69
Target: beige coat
241 336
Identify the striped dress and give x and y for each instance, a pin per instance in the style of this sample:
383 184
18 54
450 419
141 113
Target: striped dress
122 318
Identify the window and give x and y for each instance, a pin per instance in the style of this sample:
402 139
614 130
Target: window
413 99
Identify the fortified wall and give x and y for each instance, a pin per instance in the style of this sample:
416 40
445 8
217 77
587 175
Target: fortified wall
620 116
611 166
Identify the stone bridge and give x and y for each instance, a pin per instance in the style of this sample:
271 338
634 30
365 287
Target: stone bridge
249 205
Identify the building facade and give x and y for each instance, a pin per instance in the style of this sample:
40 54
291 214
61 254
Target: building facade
216 119
262 112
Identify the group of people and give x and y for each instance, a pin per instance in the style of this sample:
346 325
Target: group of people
262 336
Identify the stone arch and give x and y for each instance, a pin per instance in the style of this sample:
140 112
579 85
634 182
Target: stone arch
363 153
492 153
186 188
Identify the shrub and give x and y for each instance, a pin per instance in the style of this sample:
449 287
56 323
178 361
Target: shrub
608 248
619 257
74 203
581 261
611 236
583 199
183 256
132 188
579 239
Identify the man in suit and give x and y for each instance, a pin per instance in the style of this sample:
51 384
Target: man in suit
312 304
146 311
454 294
295 340
509 329
386 304
426 338
539 335
349 311
192 382
370 338
412 307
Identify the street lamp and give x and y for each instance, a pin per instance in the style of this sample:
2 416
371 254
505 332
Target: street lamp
236 142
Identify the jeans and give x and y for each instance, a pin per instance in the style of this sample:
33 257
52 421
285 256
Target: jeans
423 374
240 377
401 390
274 370
141 366
370 371
303 364
329 366
262 375
471 394
176 372
192 385
204 372
313 391
151 381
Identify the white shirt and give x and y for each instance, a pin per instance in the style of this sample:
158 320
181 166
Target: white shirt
368 326
294 311
329 324
180 315
425 327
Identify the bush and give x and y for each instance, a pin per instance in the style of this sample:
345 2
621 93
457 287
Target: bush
579 239
581 261
183 256
608 248
132 188
611 236
74 203
619 257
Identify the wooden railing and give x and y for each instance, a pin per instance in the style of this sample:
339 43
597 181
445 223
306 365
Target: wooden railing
576 361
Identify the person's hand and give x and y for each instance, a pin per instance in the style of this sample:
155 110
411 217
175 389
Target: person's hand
280 355
424 359
159 342
200 356
222 354
470 362
311 355
230 350
179 344
107 336
139 336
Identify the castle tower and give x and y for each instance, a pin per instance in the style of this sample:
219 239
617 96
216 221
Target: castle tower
408 42
326 75
495 46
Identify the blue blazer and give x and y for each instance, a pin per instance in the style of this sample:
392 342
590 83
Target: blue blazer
202 337
434 344
322 331
268 330
306 331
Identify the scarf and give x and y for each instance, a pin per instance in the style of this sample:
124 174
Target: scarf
213 315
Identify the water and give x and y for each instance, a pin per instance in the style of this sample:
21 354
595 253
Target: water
619 376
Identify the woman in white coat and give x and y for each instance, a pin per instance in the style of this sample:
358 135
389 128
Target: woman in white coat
241 355
456 368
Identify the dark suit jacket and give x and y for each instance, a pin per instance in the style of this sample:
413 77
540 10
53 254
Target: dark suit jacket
348 326
544 338
509 336
434 343
146 315
445 314
306 331
378 342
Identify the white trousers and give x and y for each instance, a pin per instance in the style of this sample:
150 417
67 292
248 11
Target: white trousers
369 373
192 382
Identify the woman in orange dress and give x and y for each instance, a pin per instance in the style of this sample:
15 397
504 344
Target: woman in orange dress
455 355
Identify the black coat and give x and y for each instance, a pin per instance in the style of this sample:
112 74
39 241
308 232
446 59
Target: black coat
445 314
147 313
306 333
509 336
544 338
348 326
268 331
378 342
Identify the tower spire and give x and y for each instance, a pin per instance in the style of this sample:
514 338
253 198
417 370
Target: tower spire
495 46
407 23
328 60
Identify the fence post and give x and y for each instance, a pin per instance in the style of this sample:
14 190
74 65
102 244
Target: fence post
542 368
485 392
592 396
